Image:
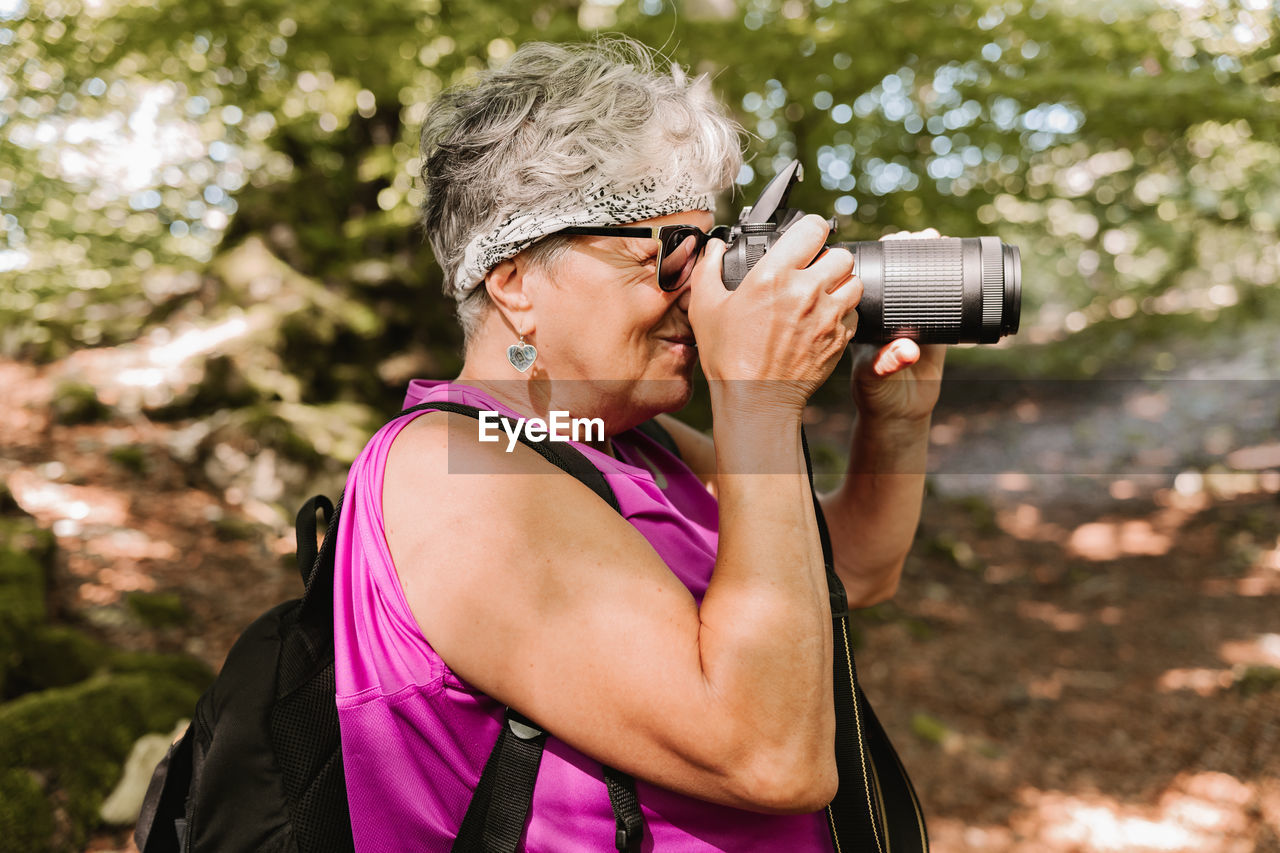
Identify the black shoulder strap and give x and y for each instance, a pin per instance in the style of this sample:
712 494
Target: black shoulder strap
316 611
659 433
628 821
305 528
875 807
499 806
559 453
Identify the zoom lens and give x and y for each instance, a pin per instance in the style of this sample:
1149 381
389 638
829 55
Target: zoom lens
938 291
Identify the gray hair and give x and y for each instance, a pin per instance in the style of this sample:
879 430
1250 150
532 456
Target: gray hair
555 120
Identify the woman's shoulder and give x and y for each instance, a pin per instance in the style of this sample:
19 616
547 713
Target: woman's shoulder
441 443
439 439
433 462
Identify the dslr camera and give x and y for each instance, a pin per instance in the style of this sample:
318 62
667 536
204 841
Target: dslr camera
945 290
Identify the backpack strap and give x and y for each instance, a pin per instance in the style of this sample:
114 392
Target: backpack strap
875 807
559 453
659 433
316 610
305 528
626 810
499 806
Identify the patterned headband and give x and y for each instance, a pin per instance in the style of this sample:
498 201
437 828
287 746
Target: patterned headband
650 197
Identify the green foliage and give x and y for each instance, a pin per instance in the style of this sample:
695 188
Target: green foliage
130 457
230 528
8 506
982 515
929 729
77 403
957 552
1129 149
1257 679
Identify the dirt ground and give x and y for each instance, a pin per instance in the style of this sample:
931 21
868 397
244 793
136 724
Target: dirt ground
1079 664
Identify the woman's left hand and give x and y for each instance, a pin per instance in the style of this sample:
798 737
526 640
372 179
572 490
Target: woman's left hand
897 382
900 380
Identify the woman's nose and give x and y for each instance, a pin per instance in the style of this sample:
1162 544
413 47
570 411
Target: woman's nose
686 294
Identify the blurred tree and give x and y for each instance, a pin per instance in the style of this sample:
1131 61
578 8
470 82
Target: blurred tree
1129 148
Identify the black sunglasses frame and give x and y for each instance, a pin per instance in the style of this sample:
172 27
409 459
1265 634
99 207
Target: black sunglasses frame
668 236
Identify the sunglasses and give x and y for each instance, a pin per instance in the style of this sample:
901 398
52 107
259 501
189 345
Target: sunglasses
678 246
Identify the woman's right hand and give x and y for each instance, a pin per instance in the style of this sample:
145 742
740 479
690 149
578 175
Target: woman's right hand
780 334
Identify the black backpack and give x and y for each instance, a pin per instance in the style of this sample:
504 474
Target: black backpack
260 767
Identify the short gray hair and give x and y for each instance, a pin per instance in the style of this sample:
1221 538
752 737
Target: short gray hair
555 120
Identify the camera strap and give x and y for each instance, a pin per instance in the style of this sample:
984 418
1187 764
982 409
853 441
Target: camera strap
875 807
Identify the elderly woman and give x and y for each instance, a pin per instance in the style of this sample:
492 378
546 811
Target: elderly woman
686 640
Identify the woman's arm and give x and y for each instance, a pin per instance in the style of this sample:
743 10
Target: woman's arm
873 514
536 592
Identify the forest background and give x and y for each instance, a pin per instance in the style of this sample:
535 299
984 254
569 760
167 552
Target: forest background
212 290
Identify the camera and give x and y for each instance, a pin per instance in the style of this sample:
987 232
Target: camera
945 290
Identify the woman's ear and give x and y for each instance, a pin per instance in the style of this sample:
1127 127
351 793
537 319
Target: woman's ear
507 287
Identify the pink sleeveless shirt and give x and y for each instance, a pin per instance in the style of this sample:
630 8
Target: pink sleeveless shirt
415 736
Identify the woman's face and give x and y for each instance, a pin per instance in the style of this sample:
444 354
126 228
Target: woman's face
602 320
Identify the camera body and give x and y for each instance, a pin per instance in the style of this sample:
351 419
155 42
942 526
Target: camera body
942 290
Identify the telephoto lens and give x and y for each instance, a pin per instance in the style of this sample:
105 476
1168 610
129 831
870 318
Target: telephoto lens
946 290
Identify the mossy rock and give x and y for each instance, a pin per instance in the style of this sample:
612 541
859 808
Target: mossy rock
26 814
181 668
22 587
158 609
23 534
77 403
49 656
25 554
52 656
71 743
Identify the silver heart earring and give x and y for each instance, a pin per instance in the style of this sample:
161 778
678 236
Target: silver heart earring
522 355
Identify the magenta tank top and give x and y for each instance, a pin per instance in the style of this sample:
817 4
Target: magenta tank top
415 736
